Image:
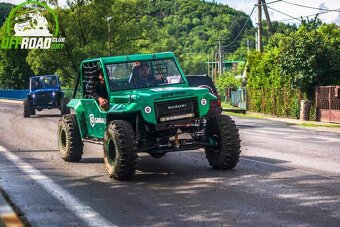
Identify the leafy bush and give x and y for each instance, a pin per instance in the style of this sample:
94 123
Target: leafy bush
227 80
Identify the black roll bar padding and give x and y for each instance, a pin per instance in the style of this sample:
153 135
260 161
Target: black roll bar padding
76 88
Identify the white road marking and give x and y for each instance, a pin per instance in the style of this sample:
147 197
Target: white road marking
326 138
271 132
288 134
82 211
291 168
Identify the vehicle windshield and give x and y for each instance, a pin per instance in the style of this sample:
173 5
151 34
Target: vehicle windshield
143 74
41 82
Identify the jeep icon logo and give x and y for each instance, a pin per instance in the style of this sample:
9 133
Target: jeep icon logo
92 120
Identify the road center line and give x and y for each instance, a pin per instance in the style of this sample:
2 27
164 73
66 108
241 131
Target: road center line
82 211
291 168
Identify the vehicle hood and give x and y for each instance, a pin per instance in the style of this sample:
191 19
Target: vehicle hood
44 90
158 94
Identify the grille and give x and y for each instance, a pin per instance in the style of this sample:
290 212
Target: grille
43 98
179 109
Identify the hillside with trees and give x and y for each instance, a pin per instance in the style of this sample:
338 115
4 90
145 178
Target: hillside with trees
189 28
5 8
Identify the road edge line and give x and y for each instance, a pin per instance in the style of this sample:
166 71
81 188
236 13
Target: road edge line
8 217
72 203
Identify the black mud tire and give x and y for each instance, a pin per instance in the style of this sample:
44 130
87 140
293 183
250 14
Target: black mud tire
227 154
69 139
157 155
32 110
27 107
63 106
120 150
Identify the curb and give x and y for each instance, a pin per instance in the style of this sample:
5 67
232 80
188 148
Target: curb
8 218
11 101
241 111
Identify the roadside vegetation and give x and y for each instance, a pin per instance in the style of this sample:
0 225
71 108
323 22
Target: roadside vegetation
189 28
295 59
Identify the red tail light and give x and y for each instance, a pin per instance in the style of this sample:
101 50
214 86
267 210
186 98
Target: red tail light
218 102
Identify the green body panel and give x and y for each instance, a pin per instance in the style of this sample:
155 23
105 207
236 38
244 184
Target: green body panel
92 120
137 100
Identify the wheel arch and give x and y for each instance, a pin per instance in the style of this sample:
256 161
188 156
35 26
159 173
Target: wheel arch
77 106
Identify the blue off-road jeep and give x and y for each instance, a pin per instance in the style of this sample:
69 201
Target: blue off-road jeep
45 93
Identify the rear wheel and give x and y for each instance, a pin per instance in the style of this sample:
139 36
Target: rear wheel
221 129
120 150
27 107
63 106
32 110
69 139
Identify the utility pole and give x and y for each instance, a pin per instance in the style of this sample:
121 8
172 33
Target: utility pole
108 19
212 65
208 65
247 46
259 33
269 23
216 63
220 64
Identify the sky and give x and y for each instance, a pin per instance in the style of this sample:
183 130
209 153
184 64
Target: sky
291 10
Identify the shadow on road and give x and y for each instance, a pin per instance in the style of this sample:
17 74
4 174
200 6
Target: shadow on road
33 151
182 190
45 115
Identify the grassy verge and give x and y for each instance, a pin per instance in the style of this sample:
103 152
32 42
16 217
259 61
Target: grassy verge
226 105
247 115
290 122
313 125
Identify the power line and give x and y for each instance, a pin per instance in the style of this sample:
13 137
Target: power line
296 18
267 3
299 18
310 7
246 3
241 29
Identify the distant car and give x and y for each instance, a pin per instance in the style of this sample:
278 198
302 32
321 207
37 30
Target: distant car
45 93
206 82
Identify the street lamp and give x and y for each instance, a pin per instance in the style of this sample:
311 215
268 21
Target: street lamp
108 19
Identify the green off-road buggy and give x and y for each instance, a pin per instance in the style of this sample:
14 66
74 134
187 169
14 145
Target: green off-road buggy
144 114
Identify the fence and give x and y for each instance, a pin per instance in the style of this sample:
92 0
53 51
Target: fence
13 94
275 101
21 94
327 99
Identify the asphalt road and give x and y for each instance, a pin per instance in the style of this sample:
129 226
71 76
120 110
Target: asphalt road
286 177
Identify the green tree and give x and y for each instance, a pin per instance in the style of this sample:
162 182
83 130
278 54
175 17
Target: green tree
85 27
14 70
310 57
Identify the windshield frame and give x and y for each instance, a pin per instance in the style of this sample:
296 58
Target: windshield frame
183 80
43 85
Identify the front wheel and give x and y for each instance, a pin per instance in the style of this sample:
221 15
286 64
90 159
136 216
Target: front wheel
221 130
69 139
63 106
120 150
27 107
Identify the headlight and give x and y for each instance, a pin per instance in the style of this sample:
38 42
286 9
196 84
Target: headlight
53 93
147 109
33 95
203 102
